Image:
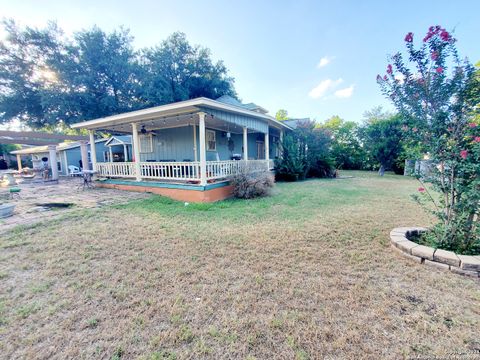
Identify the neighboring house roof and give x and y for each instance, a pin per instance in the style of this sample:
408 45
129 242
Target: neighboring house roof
44 148
174 109
293 123
119 140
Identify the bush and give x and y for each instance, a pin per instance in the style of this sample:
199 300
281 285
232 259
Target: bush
322 167
251 185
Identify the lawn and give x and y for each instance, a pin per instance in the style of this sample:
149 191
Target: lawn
306 273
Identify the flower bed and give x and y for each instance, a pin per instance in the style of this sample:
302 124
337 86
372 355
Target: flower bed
447 260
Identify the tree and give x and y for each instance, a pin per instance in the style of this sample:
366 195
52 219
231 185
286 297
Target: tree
305 153
434 90
346 149
183 71
49 81
281 115
382 138
24 71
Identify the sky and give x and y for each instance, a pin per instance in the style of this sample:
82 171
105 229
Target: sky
313 58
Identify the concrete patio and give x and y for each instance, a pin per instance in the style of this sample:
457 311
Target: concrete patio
67 191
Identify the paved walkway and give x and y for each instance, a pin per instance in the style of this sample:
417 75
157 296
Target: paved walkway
33 195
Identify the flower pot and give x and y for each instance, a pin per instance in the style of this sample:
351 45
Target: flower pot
6 210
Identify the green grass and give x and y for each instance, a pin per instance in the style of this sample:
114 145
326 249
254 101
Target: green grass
305 273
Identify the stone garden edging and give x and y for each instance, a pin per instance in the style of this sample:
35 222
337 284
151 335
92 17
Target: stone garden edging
447 260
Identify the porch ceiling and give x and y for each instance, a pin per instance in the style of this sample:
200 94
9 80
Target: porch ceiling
182 114
167 122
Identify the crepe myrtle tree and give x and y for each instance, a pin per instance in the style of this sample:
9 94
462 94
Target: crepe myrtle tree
431 88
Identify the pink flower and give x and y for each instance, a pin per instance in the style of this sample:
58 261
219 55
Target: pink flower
439 70
385 77
389 69
464 154
472 125
435 55
409 37
421 189
477 139
444 35
414 129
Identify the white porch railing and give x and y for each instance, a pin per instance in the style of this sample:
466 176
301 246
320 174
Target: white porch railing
182 171
170 170
116 169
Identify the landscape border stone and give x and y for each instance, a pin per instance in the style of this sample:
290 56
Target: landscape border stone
441 259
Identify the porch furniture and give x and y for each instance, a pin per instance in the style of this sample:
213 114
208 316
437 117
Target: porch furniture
74 170
87 176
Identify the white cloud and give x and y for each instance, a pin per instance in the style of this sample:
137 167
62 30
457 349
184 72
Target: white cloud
324 61
344 93
319 91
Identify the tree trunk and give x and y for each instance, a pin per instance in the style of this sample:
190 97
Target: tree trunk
381 171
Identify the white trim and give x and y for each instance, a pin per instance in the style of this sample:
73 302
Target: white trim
171 110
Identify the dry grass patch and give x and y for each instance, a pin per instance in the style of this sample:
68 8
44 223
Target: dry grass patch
307 273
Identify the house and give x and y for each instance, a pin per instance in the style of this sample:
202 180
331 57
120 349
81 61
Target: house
67 153
186 150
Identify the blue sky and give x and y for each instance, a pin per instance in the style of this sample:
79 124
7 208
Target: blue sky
274 49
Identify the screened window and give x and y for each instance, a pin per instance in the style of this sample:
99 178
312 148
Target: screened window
211 140
146 143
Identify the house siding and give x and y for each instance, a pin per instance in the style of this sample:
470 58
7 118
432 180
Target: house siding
177 144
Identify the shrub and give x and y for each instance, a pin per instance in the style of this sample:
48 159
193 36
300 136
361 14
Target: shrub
249 185
438 96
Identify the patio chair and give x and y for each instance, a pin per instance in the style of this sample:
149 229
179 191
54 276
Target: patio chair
74 170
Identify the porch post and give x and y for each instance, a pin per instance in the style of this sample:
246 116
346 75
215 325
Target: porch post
52 155
267 150
195 156
84 154
245 144
136 152
19 162
111 153
203 151
93 150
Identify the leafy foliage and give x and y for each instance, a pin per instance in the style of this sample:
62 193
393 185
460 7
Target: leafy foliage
346 149
305 153
382 138
438 96
49 80
281 115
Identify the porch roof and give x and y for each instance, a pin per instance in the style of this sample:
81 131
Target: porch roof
183 112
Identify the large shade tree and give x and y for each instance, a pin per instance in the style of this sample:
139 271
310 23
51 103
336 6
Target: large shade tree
49 80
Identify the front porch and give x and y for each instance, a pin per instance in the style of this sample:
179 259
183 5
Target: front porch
191 145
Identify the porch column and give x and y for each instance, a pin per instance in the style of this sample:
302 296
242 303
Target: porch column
19 162
52 156
84 153
195 156
245 144
203 151
267 150
111 153
136 152
93 150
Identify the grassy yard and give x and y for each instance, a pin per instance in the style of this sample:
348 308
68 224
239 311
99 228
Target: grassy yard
306 273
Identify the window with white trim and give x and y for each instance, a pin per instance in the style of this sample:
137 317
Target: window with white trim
211 140
146 143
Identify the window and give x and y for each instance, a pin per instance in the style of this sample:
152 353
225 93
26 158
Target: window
211 140
146 143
